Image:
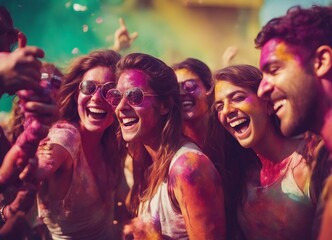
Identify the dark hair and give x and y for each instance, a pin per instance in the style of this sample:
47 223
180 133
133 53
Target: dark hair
213 145
303 29
241 75
7 26
199 68
162 80
239 160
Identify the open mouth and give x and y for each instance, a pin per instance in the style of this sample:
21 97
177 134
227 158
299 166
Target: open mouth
129 121
240 125
187 104
96 113
278 105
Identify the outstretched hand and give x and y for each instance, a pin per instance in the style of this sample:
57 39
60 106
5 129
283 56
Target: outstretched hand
20 69
122 38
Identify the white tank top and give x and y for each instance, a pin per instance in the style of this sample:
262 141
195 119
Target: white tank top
160 209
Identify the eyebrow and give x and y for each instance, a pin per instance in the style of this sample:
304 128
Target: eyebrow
267 65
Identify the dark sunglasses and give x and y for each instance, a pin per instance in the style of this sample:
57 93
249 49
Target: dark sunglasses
135 96
54 81
189 86
89 87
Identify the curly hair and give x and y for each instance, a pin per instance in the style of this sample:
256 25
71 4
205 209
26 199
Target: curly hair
304 29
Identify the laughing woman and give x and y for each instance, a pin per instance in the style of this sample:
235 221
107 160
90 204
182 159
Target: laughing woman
177 192
280 195
80 162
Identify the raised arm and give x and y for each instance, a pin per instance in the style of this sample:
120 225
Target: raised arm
122 38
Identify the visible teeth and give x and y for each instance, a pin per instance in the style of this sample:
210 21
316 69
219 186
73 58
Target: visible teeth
187 102
237 122
127 120
97 110
279 104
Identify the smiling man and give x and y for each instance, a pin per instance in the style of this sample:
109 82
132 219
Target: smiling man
296 61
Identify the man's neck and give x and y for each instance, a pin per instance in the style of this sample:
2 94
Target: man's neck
326 130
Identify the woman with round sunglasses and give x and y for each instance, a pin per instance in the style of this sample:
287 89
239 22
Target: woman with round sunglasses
177 193
81 161
195 79
280 192
201 125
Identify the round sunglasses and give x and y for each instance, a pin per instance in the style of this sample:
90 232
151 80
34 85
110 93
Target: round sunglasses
89 87
189 86
53 81
135 96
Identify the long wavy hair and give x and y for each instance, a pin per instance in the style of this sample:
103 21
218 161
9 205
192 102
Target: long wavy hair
67 100
239 160
150 174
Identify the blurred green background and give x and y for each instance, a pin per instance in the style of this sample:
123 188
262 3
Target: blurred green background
169 29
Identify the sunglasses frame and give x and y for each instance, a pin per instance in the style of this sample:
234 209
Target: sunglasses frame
50 79
126 93
97 86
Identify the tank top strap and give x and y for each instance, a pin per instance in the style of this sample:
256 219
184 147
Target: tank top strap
187 147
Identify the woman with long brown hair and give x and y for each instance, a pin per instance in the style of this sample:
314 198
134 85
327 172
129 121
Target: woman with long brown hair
80 162
280 192
177 190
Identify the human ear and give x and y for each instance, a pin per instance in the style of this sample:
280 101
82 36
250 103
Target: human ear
323 60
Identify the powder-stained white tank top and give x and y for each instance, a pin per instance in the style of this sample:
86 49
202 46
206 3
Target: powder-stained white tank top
160 210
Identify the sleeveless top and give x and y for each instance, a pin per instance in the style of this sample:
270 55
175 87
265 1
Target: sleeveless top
160 209
280 210
83 213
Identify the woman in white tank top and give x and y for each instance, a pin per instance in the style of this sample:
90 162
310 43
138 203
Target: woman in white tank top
177 192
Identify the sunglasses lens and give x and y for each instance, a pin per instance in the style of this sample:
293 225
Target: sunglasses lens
106 87
114 97
88 87
189 86
135 96
55 83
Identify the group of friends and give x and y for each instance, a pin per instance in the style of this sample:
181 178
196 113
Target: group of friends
128 147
